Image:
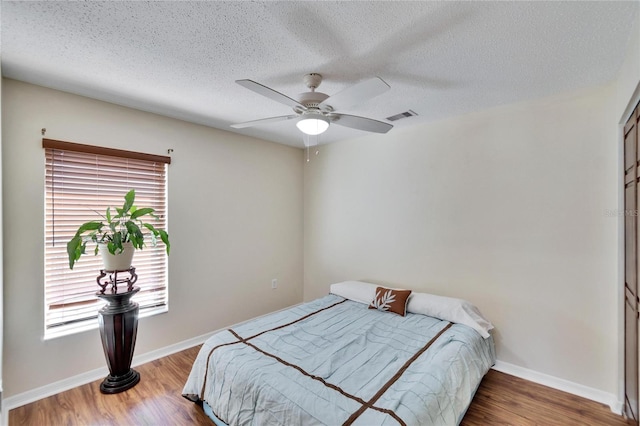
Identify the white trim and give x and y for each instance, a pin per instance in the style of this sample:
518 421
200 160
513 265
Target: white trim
621 268
597 395
45 391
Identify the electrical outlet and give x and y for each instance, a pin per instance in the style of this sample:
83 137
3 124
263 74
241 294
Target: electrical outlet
274 283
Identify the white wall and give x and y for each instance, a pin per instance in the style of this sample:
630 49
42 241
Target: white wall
627 83
505 208
235 220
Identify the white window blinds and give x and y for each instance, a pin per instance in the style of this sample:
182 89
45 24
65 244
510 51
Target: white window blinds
81 182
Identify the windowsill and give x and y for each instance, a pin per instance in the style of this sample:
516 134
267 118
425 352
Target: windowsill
92 324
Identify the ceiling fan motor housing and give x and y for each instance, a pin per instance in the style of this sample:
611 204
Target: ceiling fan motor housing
312 80
311 100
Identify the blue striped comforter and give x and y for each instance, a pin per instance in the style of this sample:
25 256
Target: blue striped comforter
332 361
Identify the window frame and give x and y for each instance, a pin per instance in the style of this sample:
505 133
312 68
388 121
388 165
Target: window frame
91 170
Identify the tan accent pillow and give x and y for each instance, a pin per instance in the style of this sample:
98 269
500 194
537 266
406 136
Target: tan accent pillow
387 299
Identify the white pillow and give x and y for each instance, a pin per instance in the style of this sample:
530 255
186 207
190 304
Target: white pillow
446 308
355 290
450 309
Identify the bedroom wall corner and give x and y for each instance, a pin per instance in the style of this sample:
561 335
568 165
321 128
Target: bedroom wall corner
628 79
509 208
235 220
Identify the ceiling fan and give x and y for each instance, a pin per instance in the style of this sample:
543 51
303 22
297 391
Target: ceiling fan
316 110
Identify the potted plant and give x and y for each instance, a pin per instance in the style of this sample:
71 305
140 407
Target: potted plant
117 236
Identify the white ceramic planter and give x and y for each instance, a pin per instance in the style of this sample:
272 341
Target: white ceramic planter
117 262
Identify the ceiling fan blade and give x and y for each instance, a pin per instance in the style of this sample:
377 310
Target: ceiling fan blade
263 121
361 123
356 94
263 90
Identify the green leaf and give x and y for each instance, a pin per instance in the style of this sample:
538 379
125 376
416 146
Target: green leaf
89 226
165 239
116 243
135 234
74 250
108 214
141 212
150 228
128 200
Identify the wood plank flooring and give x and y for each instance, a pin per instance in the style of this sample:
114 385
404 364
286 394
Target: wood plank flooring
156 400
501 400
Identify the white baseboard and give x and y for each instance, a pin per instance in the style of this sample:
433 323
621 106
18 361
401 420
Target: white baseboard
45 391
564 385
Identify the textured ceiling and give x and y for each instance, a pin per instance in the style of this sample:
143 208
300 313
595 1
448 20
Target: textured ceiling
181 58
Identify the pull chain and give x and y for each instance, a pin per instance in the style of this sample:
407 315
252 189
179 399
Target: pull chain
311 141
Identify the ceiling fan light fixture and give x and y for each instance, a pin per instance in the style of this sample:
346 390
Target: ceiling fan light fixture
313 124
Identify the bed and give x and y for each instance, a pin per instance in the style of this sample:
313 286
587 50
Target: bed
337 361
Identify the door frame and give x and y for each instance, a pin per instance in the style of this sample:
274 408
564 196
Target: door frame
631 105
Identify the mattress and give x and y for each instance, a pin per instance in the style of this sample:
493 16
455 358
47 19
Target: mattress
332 361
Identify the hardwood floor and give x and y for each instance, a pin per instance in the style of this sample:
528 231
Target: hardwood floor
501 400
156 400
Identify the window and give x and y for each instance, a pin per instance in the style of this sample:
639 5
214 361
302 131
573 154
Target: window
81 181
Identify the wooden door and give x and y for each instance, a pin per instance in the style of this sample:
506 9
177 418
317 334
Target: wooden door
631 299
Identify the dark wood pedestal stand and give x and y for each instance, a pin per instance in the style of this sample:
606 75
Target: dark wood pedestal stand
118 329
